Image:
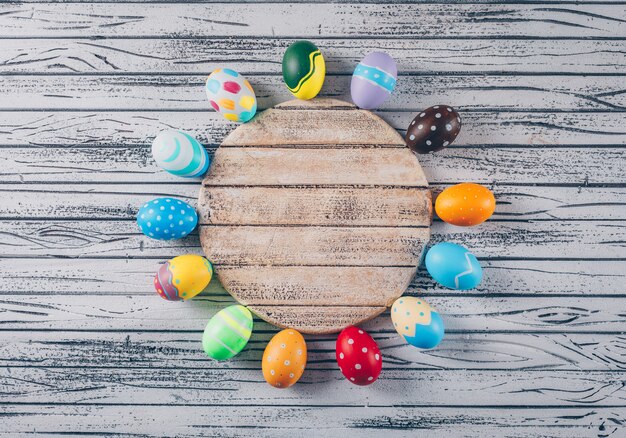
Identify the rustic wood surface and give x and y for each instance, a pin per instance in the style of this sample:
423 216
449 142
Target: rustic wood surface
315 215
88 349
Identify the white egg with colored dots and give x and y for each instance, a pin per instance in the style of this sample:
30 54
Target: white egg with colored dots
231 95
166 219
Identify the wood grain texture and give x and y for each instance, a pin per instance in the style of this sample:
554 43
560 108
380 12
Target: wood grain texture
103 239
261 55
353 421
133 276
184 92
499 353
316 206
225 387
113 201
327 165
546 166
487 314
296 20
335 148
115 129
86 347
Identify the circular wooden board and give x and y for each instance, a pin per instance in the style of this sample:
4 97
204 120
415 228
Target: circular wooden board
315 215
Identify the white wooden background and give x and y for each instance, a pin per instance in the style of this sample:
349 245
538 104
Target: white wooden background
87 348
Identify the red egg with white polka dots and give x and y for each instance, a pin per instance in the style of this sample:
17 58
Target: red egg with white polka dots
358 356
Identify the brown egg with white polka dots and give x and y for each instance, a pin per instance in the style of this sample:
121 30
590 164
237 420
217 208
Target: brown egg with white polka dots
433 129
284 359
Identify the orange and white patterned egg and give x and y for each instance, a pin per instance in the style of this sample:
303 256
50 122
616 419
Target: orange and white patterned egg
284 359
465 204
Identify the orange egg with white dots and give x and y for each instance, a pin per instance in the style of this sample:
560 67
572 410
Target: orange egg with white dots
284 359
465 204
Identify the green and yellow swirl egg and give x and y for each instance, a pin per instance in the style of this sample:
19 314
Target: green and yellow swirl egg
304 69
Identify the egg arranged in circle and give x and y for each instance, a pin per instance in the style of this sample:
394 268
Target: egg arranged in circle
418 323
373 80
183 277
304 69
465 204
231 95
166 218
227 333
433 129
180 154
358 356
284 359
453 266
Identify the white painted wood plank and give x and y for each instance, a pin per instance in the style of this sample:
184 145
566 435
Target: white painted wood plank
494 166
490 314
238 387
495 239
317 421
168 92
167 349
254 55
121 201
133 276
296 20
540 332
98 128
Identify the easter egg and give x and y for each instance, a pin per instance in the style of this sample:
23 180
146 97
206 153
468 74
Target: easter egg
373 80
433 129
227 333
465 204
231 95
284 359
418 323
183 277
304 69
180 154
453 266
166 219
358 356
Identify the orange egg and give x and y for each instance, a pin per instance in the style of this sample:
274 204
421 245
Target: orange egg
284 359
465 204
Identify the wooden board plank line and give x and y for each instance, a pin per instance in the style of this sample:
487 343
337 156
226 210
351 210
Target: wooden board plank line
260 73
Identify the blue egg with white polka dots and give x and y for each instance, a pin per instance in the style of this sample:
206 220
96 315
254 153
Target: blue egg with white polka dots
419 324
166 219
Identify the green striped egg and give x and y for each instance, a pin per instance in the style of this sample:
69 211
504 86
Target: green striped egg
304 69
227 333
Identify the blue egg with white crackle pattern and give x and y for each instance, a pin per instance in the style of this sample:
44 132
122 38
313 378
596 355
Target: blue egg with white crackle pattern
166 219
453 266
418 323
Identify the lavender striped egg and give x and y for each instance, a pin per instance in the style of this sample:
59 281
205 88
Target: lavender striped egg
373 80
180 154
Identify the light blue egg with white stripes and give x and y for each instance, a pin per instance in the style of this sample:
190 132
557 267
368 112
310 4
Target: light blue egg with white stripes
166 219
180 154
